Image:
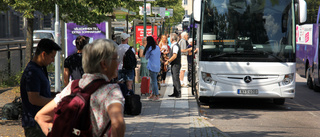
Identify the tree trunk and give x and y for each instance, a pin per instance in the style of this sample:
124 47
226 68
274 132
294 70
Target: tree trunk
29 44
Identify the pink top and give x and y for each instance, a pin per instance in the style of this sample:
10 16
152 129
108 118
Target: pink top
99 101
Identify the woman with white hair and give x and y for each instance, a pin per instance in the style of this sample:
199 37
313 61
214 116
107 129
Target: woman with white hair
99 61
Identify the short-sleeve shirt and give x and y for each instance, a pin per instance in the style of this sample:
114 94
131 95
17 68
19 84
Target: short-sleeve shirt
34 79
99 101
74 64
143 59
183 45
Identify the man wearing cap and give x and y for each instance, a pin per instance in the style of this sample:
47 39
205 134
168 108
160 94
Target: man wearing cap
123 74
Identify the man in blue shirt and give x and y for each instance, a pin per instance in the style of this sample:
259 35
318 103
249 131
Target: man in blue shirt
35 86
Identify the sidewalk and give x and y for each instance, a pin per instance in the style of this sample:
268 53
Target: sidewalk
169 117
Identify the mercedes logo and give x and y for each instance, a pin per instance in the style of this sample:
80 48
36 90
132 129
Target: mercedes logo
247 79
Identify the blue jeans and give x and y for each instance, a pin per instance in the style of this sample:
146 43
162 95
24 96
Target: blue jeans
126 75
154 82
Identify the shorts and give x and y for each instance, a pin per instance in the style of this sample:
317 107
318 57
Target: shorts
184 63
126 75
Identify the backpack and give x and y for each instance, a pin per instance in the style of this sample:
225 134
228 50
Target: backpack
12 111
72 115
129 60
132 104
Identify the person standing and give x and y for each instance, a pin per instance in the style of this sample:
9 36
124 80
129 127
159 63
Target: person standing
169 42
35 86
126 75
190 59
183 43
143 68
73 63
175 62
152 53
106 103
164 57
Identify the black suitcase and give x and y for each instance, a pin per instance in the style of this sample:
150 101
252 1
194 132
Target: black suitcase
132 105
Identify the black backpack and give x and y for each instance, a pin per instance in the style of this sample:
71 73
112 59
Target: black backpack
132 104
12 111
129 60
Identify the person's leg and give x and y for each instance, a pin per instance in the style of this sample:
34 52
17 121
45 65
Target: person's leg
154 82
176 80
179 84
164 77
184 68
129 80
151 97
189 72
182 75
174 84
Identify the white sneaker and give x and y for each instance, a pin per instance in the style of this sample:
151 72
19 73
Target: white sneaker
163 84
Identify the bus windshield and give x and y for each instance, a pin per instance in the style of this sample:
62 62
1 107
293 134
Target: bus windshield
248 30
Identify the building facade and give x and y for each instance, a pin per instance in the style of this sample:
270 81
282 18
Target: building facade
13 25
187 5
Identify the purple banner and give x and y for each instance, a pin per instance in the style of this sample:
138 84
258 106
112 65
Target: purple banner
94 31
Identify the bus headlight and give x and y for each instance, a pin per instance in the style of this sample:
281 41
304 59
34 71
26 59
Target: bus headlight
206 77
288 78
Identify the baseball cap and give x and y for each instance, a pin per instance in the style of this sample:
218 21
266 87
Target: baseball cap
190 40
124 36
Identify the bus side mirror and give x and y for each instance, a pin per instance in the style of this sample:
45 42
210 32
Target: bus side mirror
302 11
197 10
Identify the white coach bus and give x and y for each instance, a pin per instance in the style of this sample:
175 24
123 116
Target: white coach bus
247 48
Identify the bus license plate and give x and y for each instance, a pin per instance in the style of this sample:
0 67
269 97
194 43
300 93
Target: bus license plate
248 91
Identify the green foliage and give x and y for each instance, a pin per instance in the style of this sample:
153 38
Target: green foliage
27 7
50 68
312 10
176 5
11 81
86 11
3 6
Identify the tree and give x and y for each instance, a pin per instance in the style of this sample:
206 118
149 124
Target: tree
27 8
78 11
176 5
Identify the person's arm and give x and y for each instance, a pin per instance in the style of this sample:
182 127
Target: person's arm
36 99
174 56
66 76
118 126
141 53
160 44
147 55
195 51
44 117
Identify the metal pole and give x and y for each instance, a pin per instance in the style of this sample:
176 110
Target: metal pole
57 84
144 19
193 84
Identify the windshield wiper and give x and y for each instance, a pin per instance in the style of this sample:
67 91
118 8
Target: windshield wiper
217 56
270 54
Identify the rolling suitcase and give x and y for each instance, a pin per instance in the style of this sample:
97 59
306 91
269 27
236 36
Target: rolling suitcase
145 85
